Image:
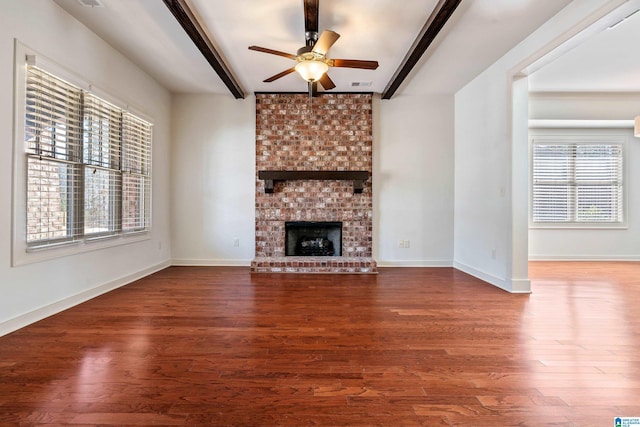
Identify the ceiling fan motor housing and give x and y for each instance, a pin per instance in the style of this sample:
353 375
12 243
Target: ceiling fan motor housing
306 53
304 49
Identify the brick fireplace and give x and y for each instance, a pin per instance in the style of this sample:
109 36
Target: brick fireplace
313 164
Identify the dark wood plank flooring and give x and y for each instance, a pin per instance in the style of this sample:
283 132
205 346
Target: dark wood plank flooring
410 346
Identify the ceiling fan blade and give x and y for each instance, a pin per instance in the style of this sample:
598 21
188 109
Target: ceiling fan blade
326 82
353 63
325 41
273 52
277 76
311 15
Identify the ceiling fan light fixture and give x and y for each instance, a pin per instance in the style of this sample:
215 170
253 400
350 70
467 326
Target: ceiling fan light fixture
311 69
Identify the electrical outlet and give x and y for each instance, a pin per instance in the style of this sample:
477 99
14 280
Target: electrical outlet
404 244
493 253
236 242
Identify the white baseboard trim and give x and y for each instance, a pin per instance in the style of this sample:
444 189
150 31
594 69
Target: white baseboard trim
583 258
38 314
489 278
211 262
520 286
416 263
515 286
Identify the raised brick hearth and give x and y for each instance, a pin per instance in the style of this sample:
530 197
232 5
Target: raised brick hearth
298 264
331 132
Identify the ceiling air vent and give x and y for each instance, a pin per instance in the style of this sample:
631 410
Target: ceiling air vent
361 84
91 3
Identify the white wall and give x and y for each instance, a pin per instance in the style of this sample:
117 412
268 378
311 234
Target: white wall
484 240
213 185
591 244
32 291
482 175
413 180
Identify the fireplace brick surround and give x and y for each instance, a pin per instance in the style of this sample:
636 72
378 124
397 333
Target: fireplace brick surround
331 132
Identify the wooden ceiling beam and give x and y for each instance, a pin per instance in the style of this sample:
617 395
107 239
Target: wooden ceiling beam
438 18
194 30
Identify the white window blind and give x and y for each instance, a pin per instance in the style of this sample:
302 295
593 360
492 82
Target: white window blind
577 183
53 144
88 164
101 158
136 178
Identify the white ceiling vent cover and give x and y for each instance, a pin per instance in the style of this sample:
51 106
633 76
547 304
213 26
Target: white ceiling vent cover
91 3
361 84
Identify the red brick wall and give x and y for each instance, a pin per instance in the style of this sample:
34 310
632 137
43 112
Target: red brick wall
329 132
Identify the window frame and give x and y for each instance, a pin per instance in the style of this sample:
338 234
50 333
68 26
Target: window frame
22 252
580 137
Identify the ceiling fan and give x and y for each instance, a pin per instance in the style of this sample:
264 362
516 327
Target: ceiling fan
313 63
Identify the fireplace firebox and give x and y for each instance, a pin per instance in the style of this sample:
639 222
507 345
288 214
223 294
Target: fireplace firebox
317 238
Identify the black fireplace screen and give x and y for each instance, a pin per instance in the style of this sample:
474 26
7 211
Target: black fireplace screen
303 238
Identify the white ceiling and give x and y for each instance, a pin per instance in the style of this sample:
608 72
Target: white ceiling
479 32
279 25
606 62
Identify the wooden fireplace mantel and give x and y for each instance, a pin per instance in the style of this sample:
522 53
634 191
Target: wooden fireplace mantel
270 177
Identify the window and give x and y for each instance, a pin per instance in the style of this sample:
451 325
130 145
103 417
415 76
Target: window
53 129
577 182
136 181
88 164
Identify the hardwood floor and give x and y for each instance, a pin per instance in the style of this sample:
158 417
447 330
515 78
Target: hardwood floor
433 346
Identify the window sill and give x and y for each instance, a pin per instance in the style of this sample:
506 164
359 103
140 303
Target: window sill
578 226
